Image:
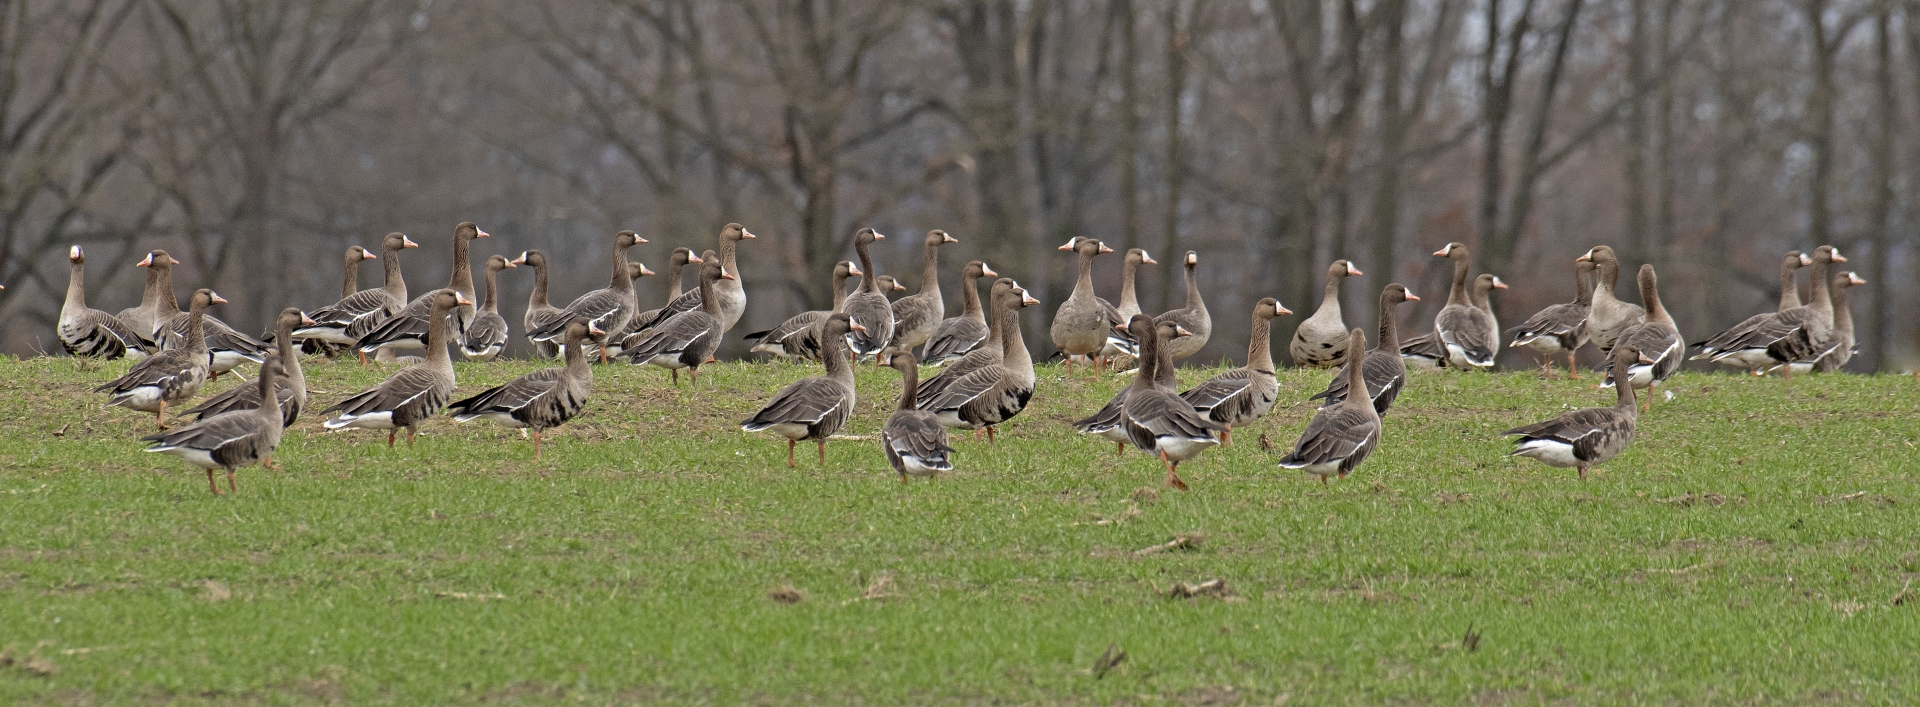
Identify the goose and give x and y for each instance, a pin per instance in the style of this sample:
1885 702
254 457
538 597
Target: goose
349 284
233 439
795 338
1423 351
990 395
145 317
1192 317
917 316
228 347
540 312
172 375
1756 361
1156 420
814 408
678 260
1559 328
1657 340
414 393
1589 436
1081 324
1469 333
732 292
1321 340
687 340
488 334
1798 335
1609 317
91 333
1384 368
541 400
913 439
1120 346
992 353
1110 421
411 326
959 335
344 322
608 308
868 306
290 389
1841 351
1340 435
1242 395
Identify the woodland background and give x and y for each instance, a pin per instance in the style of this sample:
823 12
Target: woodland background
255 139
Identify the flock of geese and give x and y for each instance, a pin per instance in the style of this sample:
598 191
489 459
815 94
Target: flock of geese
985 374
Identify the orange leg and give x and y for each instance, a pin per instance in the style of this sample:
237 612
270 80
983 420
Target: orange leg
990 439
1173 473
1119 448
1226 438
160 416
1323 480
823 452
536 444
676 377
210 484
1583 472
790 444
390 434
267 463
695 372
363 357
230 486
410 433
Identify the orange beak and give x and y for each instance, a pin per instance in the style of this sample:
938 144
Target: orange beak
1148 259
1411 297
747 235
1351 270
854 270
477 233
217 299
987 271
944 238
855 326
406 242
644 272
1443 251
1105 249
723 276
146 262
462 300
1281 308
306 320
694 259
522 260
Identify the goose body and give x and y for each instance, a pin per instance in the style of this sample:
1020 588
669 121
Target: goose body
813 408
344 322
1081 324
488 334
687 340
1609 317
1657 339
234 439
959 335
540 312
90 333
1589 436
1156 420
1119 342
797 337
1321 340
1468 333
415 393
413 324
541 400
1384 368
1193 317
290 384
1560 328
1799 335
867 306
1341 435
917 316
731 291
980 397
170 376
914 440
1245 394
144 318
607 309
1755 360
229 348
1841 349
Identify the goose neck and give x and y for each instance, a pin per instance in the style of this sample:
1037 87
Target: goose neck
492 302
462 280
538 299
1129 299
1457 293
970 296
394 283
622 280
350 281
930 271
1260 349
673 278
1389 329
1789 290
1582 287
867 275
1194 302
909 397
76 286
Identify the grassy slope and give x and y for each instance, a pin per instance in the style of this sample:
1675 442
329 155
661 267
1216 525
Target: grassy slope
635 562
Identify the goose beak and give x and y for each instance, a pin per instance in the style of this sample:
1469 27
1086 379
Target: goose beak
477 233
1853 279
1837 257
1027 300
1644 359
1411 297
644 272
217 299
897 287
74 253
368 255
595 330
1181 331
461 299
944 238
725 276
1586 257
306 320
1499 284
1069 245
406 242
512 264
1280 308
1148 259
854 270
1805 260
522 260
987 271
1105 249
145 262
747 235
1351 270
1441 253
878 236
1120 327
694 259
855 326
1193 259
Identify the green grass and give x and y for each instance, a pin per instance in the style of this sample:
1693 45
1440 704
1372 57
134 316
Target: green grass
1748 547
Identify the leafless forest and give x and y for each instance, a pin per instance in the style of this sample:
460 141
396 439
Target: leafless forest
255 139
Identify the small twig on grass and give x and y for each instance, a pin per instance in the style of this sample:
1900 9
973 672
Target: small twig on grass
476 596
1838 499
1113 657
880 589
1904 596
1216 588
1471 641
1183 541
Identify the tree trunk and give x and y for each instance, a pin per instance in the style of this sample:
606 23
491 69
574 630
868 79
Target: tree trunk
1880 207
1385 217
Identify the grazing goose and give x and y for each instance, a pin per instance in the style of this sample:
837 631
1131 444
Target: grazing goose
1192 317
1081 325
982 397
1609 317
172 375
1560 328
228 347
687 340
1756 362
488 334
814 408
1341 435
540 312
1798 335
913 439
1321 340
234 439
1384 368
411 327
1589 436
540 400
867 306
91 333
416 392
344 322
959 335
608 308
796 339
290 389
144 318
1156 420
917 316
1244 394
1841 351
1657 340
681 257
1469 333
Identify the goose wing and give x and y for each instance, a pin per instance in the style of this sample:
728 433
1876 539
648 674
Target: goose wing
670 337
807 401
606 309
1218 389
1335 434
955 337
917 435
507 397
686 302
1468 328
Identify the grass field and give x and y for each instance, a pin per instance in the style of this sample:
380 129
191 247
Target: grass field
1760 542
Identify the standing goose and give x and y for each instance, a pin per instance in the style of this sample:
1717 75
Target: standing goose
795 338
540 313
814 408
540 400
344 322
145 317
1321 340
1469 334
234 439
917 316
1111 421
1244 394
91 333
1192 317
1588 436
1120 345
1340 435
169 376
959 335
731 290
1657 340
608 308
412 326
914 440
1797 335
349 284
228 347
414 393
867 306
992 394
992 353
1081 325
1156 420
1756 361
1560 328
488 334
686 340
1841 351
1609 317
681 257
1383 368
289 390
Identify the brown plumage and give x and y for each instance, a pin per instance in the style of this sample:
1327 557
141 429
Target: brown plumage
1341 435
867 306
1756 361
608 308
1559 328
959 335
1245 394
1156 420
814 408
1588 436
1841 349
1798 335
1609 317
290 389
171 376
412 326
1193 317
1383 368
487 336
1467 331
344 322
1081 324
540 312
687 340
798 338
914 440
90 333
917 316
1657 339
1321 340
540 400
414 393
981 397
233 439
